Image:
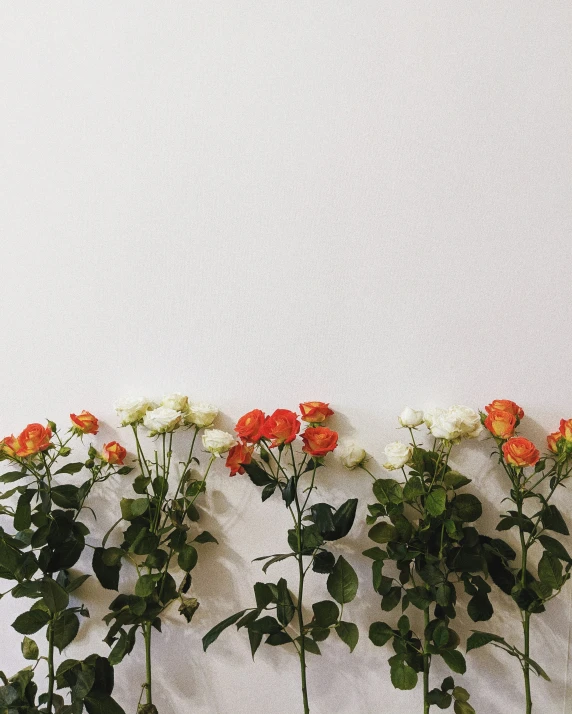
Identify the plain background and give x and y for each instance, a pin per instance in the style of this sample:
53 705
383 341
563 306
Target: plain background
258 203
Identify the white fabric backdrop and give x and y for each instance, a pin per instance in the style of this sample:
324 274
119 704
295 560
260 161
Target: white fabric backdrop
365 202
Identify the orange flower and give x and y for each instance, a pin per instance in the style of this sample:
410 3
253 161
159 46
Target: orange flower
113 453
85 423
315 412
552 441
566 429
500 423
319 440
249 427
9 445
237 456
505 405
520 452
281 427
33 439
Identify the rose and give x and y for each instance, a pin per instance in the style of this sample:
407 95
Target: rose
218 442
249 426
201 414
566 429
319 440
238 456
553 440
315 412
33 439
85 423
162 420
113 453
9 446
454 423
281 427
175 401
410 418
468 420
520 452
505 405
500 424
397 454
132 409
351 455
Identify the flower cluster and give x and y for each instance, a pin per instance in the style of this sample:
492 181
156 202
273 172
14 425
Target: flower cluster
173 411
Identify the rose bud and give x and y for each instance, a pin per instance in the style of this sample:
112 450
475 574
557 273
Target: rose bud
113 453
84 423
315 412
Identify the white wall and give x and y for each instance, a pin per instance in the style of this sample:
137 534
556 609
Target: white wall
257 203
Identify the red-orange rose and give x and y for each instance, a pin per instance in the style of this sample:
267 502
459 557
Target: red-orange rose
500 423
505 405
9 445
319 440
249 427
238 456
520 452
315 412
566 429
552 441
113 453
85 422
281 427
33 439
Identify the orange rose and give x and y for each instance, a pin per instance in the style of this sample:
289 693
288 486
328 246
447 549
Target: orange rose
113 453
318 440
520 452
552 441
505 405
566 429
33 439
237 456
9 445
249 427
500 423
281 427
315 412
85 423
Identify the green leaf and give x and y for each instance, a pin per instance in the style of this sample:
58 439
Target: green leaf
375 553
133 508
108 575
30 649
342 582
77 583
480 608
289 491
326 613
71 468
145 585
388 490
23 515
11 476
29 622
461 707
263 595
55 597
309 645
188 557
454 660
552 520
65 496
267 491
467 508
205 537
267 625
214 633
323 562
550 570
65 629
348 633
104 704
285 609
413 489
436 502
257 475
380 633
453 479
403 676
383 533
555 547
343 520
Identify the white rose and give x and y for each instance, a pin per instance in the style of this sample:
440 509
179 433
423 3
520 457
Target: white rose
454 423
410 418
162 420
469 421
397 454
351 455
132 409
200 414
218 442
178 402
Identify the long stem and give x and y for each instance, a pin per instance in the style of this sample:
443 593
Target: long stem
51 674
526 620
147 635
426 664
526 668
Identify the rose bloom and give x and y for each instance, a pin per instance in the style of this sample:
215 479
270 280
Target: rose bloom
410 418
454 423
132 409
552 440
505 405
319 440
33 439
315 412
397 454
85 423
175 401
162 420
249 426
520 452
237 456
281 427
351 455
218 442
501 424
9 445
201 414
566 429
113 453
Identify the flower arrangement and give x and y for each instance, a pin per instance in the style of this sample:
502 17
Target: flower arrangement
49 537
266 452
533 482
159 524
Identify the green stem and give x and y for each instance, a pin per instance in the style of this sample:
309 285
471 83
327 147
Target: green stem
51 674
302 652
147 635
526 668
426 665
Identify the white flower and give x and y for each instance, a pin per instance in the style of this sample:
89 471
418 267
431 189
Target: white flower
410 418
200 414
454 423
178 402
218 442
469 421
162 420
351 455
398 455
132 409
